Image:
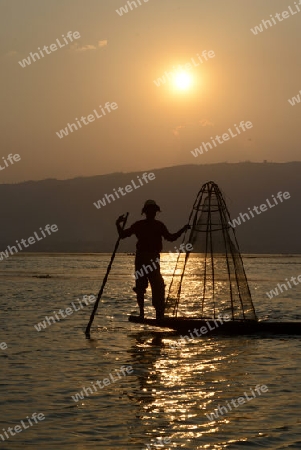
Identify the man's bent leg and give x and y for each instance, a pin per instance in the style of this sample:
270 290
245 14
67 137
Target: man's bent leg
140 301
158 293
140 288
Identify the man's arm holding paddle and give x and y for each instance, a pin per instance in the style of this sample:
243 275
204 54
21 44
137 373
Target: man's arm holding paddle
121 232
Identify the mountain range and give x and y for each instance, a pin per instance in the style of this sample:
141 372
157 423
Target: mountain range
83 227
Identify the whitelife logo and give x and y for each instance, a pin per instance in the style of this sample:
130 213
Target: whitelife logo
274 292
49 320
280 17
201 331
53 48
31 240
124 9
221 410
243 126
18 428
128 188
73 127
145 269
122 372
295 100
263 207
160 442
3 346
169 76
11 158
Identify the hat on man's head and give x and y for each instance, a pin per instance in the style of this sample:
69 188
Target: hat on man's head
150 204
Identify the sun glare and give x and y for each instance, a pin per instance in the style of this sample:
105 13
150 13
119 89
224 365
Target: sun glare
182 80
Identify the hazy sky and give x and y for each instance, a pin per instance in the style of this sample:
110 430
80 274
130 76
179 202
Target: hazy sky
117 58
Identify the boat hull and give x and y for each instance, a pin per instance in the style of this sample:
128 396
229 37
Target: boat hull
182 324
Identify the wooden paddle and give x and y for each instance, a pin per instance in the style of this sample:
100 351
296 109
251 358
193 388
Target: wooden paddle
87 332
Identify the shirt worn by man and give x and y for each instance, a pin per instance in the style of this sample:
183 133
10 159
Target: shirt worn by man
149 234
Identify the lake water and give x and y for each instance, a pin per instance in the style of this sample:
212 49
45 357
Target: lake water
168 392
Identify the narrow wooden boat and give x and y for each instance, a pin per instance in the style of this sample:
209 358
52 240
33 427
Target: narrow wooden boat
214 327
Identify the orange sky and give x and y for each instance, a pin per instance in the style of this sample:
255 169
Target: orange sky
117 58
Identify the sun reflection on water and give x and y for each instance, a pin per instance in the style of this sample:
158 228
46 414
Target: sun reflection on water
206 287
181 385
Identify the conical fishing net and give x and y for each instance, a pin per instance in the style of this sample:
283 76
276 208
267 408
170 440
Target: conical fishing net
210 280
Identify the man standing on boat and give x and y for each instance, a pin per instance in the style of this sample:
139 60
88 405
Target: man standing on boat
149 233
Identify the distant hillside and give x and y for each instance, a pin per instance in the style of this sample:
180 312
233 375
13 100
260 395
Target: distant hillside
26 207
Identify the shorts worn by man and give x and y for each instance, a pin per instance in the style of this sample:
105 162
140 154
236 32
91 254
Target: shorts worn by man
149 233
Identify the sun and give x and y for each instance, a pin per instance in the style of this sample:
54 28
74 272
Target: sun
182 81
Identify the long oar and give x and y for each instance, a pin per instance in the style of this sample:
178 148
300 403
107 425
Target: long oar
87 332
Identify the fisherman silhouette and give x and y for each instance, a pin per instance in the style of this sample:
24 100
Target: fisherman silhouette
149 233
